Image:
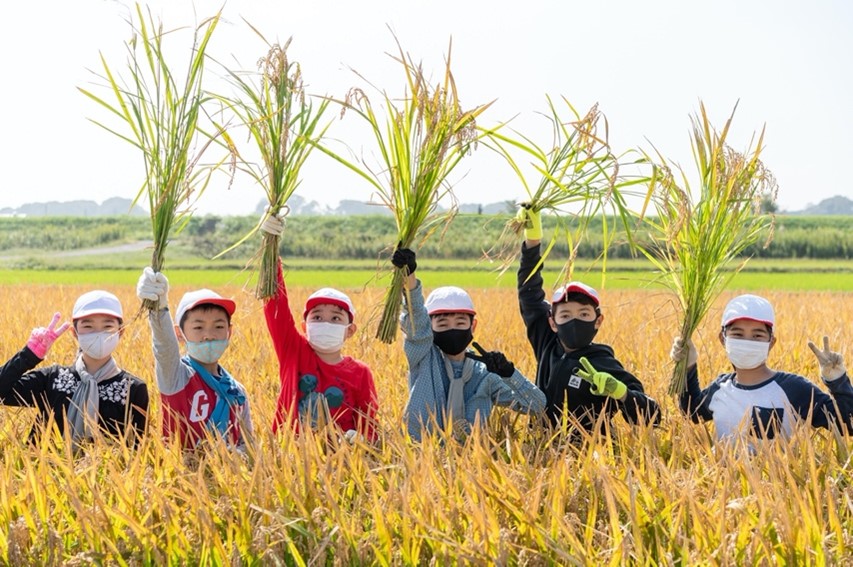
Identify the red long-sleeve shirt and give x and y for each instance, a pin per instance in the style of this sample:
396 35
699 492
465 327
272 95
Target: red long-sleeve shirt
298 362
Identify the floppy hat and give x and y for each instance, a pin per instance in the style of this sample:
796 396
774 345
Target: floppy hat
449 299
575 287
97 302
193 299
331 296
750 307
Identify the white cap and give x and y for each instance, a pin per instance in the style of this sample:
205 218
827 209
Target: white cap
449 299
749 307
98 302
193 299
329 296
575 287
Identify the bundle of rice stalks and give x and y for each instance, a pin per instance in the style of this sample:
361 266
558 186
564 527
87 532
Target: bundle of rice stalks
696 234
285 127
163 118
580 178
420 141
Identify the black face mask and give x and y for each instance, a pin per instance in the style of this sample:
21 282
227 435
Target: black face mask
576 334
452 341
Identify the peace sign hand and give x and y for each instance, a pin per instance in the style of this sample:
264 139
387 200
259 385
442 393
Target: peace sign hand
41 339
495 361
601 383
831 363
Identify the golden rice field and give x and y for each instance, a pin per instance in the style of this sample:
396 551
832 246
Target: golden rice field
514 496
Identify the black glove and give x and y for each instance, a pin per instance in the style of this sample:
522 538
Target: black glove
495 361
404 258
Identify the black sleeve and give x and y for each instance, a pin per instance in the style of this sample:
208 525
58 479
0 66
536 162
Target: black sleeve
694 401
823 409
842 394
19 386
637 407
138 409
535 309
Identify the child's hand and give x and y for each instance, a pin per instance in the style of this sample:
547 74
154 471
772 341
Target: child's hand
41 339
680 350
531 220
495 361
153 286
601 383
271 224
404 258
831 363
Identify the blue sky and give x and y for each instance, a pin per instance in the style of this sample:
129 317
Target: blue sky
647 65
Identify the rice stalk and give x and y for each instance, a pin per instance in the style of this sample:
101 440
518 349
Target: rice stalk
162 115
421 140
697 233
580 177
285 127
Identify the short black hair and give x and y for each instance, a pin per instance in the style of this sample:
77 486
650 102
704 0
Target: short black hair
204 307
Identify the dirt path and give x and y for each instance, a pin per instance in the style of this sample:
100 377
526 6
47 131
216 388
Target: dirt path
116 249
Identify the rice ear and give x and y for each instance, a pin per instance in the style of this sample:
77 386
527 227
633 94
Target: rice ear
163 119
285 125
696 234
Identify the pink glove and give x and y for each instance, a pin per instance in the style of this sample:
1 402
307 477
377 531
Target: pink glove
42 339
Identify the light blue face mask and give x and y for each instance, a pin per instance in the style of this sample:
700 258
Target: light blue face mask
206 352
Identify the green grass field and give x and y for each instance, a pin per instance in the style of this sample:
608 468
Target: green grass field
797 275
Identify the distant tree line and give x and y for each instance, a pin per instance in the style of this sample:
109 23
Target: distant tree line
366 236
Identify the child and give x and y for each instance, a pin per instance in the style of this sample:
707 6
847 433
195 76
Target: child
198 395
319 385
445 382
91 390
764 401
576 374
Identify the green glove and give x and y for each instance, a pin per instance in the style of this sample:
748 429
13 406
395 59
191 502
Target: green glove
601 383
531 221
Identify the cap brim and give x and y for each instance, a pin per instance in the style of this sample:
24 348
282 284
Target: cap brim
440 311
88 313
573 289
745 318
314 302
229 305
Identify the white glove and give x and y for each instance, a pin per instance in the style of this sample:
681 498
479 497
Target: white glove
352 436
153 286
272 224
831 363
680 350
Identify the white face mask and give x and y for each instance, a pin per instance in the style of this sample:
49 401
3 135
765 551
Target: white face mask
326 337
745 354
98 345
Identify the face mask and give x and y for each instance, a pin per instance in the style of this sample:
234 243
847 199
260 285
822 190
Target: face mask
576 334
452 341
745 354
326 337
206 352
98 345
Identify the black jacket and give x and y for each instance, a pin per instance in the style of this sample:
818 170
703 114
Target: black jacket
123 399
555 372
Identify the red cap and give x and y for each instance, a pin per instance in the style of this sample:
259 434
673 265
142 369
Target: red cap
575 287
329 296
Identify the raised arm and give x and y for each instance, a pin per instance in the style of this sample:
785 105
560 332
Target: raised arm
838 407
19 386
